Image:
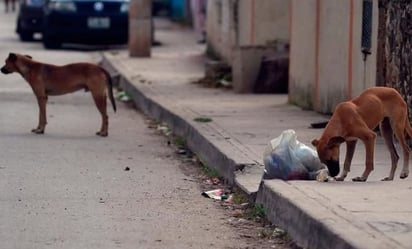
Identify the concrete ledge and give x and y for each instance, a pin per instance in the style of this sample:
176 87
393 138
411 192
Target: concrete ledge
314 221
200 145
300 225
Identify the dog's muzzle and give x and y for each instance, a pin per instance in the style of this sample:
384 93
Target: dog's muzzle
333 167
4 70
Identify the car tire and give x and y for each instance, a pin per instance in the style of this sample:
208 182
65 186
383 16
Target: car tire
24 35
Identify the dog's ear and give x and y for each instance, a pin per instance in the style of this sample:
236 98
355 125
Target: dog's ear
315 142
335 141
28 56
12 57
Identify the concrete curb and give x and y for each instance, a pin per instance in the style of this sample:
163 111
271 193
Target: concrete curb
196 141
301 226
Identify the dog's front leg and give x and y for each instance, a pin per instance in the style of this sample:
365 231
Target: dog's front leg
42 101
369 141
350 150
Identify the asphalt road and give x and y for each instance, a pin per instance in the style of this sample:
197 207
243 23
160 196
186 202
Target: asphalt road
68 188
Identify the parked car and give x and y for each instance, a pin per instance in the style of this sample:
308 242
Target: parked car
160 5
29 19
85 21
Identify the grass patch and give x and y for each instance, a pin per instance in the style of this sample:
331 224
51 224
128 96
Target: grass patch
209 172
239 198
202 119
259 211
180 142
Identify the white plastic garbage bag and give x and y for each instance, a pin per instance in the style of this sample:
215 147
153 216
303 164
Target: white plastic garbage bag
288 159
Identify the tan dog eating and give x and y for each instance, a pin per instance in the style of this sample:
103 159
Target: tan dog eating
356 119
47 79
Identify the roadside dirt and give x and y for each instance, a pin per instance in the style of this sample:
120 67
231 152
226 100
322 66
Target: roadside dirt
247 219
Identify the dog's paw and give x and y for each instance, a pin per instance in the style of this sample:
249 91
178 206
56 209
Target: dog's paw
387 179
404 175
359 179
38 131
102 134
340 178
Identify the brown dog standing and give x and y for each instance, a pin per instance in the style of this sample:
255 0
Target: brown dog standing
356 119
47 79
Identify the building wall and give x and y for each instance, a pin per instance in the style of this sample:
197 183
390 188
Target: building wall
263 22
244 23
326 59
220 29
302 53
241 32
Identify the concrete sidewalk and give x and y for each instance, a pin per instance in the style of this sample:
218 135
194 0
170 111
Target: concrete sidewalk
346 214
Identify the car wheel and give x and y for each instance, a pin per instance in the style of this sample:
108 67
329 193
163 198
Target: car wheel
24 35
51 43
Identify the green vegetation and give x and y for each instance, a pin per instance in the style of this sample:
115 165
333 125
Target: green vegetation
202 119
209 172
259 211
180 141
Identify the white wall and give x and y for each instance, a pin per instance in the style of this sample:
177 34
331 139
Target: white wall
326 62
235 23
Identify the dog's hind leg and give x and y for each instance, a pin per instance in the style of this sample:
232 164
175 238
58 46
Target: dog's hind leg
387 133
100 101
400 135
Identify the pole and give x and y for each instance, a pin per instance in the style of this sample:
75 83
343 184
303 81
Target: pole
140 28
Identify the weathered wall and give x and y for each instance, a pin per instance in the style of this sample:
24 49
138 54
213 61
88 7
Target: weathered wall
235 23
262 22
239 31
221 29
326 59
397 53
302 53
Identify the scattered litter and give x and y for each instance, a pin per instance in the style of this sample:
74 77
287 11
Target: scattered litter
322 175
122 96
245 205
279 233
288 159
225 83
229 198
216 194
164 129
213 181
181 151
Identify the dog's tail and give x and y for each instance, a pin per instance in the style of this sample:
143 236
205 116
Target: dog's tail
110 88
